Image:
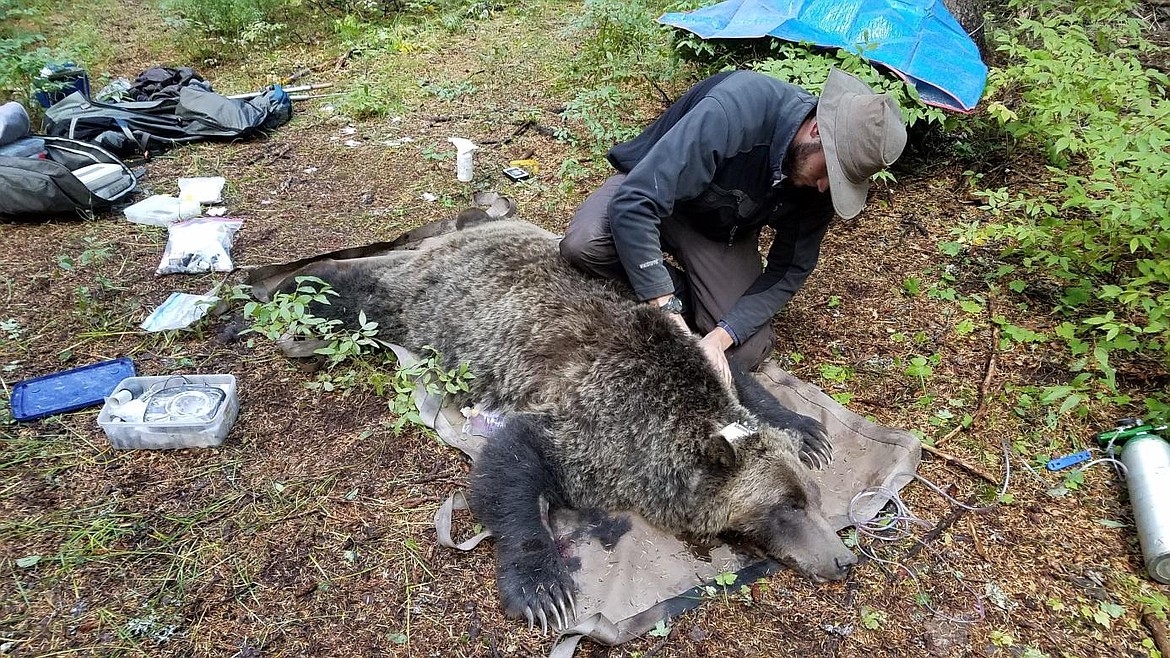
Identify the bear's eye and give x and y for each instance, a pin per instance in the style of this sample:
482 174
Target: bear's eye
791 507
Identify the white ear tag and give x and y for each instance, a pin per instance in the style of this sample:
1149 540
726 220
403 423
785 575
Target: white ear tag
734 432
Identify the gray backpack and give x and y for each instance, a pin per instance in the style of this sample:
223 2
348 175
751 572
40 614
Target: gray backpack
46 176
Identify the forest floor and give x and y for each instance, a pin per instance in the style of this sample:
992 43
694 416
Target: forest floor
309 532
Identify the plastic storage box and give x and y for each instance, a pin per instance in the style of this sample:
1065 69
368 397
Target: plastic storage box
163 435
67 78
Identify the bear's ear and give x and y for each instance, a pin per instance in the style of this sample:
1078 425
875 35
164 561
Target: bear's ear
720 452
723 447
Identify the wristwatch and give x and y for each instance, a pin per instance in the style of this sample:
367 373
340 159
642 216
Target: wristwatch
672 305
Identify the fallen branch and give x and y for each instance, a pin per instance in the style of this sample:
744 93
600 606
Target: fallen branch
341 61
270 154
979 548
666 100
443 118
1157 632
981 406
938 529
522 127
959 462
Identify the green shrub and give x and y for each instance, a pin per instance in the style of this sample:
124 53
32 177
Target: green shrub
22 53
1097 221
235 22
599 112
620 41
809 68
288 316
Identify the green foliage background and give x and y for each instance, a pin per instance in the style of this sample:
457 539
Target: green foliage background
1073 86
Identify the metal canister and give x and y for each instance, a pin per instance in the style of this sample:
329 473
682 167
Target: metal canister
1147 462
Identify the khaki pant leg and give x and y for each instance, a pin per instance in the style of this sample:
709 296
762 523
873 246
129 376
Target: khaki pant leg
717 276
588 243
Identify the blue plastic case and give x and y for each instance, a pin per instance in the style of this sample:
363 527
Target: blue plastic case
68 390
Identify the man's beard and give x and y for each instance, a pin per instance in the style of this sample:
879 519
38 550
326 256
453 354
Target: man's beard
796 160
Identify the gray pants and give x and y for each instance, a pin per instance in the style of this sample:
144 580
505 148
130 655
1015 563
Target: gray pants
716 274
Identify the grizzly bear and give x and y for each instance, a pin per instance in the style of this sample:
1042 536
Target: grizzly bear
609 405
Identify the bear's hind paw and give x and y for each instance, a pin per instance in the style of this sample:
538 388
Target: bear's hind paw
539 590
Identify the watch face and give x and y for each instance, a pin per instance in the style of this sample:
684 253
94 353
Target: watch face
672 305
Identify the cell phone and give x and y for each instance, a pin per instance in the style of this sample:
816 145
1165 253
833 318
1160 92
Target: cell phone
516 174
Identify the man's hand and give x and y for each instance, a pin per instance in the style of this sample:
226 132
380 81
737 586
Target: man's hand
715 346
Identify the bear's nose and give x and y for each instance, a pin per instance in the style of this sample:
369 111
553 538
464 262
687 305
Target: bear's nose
845 565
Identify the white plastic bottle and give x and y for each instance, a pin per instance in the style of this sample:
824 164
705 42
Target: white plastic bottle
463 162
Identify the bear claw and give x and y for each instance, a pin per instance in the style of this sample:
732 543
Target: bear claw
538 589
550 608
815 451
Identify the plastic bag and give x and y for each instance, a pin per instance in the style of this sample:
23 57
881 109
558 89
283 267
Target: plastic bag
200 244
161 210
205 190
179 311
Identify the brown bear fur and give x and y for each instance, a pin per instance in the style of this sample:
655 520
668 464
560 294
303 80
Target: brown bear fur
609 404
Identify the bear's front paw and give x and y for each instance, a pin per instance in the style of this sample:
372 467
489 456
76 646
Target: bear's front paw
535 583
815 449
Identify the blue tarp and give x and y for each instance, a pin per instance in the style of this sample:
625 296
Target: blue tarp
917 39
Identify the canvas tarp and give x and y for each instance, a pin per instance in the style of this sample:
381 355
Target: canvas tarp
631 574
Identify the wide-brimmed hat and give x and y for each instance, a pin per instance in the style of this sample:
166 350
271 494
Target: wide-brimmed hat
862 133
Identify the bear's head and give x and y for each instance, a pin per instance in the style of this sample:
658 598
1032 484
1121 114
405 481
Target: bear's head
774 503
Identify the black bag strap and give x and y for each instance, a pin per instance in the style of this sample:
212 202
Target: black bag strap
142 141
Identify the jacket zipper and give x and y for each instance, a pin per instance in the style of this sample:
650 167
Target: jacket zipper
731 236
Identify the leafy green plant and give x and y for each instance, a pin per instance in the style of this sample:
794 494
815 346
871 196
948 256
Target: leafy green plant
726 579
428 374
921 367
233 22
872 618
11 328
661 629
22 53
834 373
912 286
599 111
288 316
448 91
621 41
366 99
1095 223
1103 614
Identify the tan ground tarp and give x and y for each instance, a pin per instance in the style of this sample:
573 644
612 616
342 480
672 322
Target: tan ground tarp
632 575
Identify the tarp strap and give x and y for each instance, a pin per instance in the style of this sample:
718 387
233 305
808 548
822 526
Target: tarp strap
456 501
